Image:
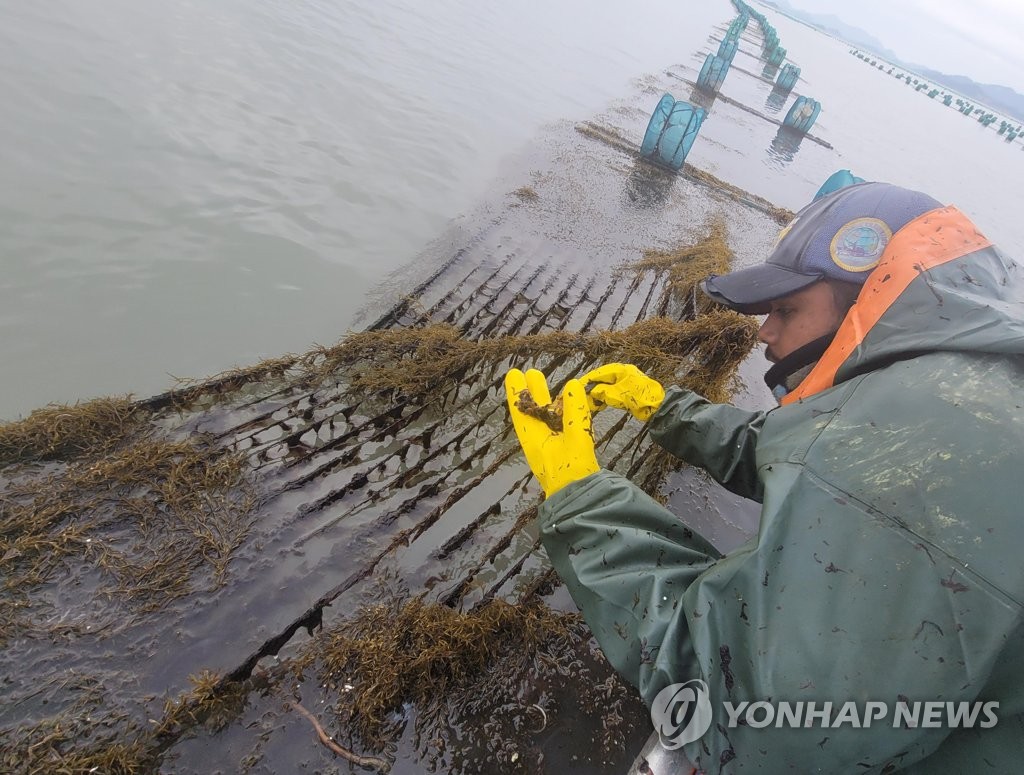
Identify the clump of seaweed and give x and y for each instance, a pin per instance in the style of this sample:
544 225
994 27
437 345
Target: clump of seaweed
417 361
610 137
526 194
62 431
686 267
420 652
212 701
549 414
499 663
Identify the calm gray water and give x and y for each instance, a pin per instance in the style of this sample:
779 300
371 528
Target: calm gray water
189 187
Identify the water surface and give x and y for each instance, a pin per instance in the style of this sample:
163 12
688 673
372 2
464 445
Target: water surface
195 186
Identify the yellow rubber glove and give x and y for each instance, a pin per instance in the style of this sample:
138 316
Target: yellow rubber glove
556 458
624 386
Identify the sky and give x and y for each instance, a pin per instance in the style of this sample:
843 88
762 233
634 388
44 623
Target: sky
980 38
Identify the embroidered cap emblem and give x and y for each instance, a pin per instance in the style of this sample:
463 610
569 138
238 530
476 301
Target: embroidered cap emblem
859 244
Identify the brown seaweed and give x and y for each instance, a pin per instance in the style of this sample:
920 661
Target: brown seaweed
549 414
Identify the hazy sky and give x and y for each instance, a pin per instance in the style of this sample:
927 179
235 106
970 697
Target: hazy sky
979 38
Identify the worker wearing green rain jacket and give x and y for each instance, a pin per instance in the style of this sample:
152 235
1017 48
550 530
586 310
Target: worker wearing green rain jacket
888 564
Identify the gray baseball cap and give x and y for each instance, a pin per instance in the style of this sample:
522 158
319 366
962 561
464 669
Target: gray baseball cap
841 236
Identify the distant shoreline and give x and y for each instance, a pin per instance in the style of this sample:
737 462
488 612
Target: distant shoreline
1010 107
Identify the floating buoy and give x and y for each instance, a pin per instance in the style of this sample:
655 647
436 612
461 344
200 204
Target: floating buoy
837 180
739 24
802 115
776 56
713 73
727 50
787 78
671 131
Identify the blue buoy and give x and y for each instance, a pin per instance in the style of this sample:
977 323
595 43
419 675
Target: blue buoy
776 56
739 24
671 131
713 73
727 50
836 181
787 78
802 115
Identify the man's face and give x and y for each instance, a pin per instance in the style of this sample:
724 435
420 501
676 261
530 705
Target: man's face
798 319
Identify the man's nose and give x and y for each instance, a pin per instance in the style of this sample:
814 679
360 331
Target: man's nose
766 333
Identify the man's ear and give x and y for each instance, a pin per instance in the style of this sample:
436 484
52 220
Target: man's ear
844 295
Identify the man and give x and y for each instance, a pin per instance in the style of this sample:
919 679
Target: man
887 566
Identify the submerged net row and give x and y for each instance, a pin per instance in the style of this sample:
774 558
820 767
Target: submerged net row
780 215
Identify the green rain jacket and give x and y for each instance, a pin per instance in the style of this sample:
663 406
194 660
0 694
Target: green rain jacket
888 565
